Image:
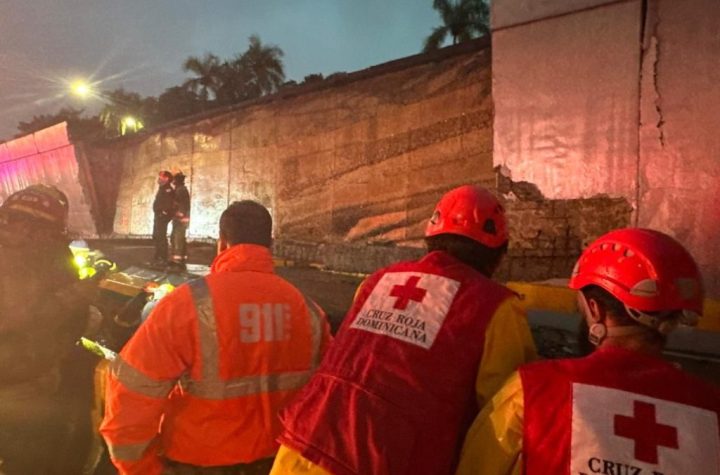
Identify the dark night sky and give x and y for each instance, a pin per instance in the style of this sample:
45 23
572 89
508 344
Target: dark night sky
141 44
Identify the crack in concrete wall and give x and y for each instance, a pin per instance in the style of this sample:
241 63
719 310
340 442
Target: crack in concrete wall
650 55
658 99
636 117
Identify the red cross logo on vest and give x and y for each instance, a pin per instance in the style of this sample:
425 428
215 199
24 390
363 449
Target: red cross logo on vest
646 432
407 306
407 292
617 431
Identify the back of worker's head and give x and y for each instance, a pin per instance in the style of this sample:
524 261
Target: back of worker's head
39 212
246 222
469 223
179 179
638 278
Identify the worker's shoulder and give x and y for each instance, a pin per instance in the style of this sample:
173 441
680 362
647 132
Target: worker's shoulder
469 278
284 286
266 283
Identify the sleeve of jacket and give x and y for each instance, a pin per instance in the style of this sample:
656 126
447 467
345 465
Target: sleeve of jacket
140 380
182 201
508 344
493 445
290 462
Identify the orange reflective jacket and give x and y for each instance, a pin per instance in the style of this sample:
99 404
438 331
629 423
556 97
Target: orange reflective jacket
230 350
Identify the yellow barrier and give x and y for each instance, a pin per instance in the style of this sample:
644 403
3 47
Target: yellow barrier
710 320
556 298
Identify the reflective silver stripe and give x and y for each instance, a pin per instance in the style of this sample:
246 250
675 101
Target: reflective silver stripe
316 326
246 386
207 329
210 386
137 382
128 452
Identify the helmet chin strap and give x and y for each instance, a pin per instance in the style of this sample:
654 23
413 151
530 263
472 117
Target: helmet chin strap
598 331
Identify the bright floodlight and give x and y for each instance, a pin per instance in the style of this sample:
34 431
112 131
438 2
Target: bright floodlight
80 88
130 124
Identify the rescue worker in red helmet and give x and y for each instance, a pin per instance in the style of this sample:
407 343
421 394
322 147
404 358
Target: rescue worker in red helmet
423 346
45 380
230 350
622 409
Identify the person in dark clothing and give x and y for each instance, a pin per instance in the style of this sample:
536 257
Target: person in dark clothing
164 210
180 223
45 380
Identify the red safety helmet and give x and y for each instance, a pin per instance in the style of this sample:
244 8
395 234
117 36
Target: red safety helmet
470 211
646 270
39 202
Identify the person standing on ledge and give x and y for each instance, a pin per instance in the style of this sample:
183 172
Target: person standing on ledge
180 223
163 210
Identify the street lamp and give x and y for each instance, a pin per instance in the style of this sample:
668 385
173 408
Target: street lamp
114 106
81 88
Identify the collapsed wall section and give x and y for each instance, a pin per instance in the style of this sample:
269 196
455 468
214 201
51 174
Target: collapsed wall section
549 235
49 157
546 239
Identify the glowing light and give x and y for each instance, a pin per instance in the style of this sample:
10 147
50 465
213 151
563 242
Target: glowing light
81 88
86 272
80 261
130 122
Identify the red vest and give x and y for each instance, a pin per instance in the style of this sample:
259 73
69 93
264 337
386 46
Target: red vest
395 392
618 412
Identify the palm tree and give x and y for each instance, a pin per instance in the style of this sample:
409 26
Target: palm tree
262 67
256 72
462 20
207 79
127 111
177 102
233 83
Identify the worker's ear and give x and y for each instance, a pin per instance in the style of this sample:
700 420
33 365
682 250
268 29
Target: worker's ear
222 244
598 314
591 309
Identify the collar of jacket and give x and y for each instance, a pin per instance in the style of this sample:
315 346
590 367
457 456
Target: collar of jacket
622 353
243 257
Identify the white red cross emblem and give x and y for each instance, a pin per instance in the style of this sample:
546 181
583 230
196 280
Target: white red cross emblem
407 292
615 431
407 306
644 430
